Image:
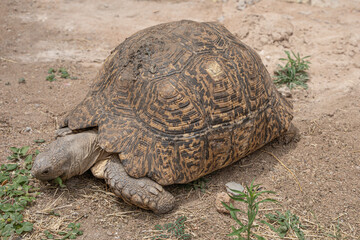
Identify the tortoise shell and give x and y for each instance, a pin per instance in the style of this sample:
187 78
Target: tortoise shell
180 100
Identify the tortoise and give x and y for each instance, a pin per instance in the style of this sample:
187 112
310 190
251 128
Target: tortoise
171 103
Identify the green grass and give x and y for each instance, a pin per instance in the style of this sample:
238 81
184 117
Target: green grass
64 73
58 181
337 234
283 223
16 193
172 230
51 78
294 72
39 141
251 199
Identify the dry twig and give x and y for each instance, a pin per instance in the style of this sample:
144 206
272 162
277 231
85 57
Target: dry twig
296 179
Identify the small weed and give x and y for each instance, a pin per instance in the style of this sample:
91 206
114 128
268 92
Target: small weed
251 199
285 222
337 234
18 153
294 72
59 182
64 73
51 78
72 233
15 193
39 141
21 80
170 230
199 184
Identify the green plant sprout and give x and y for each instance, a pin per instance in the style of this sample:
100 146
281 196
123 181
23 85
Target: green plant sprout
171 230
251 200
284 223
293 73
72 233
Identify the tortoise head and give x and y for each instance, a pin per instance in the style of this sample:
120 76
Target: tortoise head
68 156
54 162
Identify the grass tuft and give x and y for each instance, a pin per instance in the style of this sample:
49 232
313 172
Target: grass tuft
282 223
172 230
293 73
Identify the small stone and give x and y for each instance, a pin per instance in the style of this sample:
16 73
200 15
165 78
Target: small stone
225 198
264 40
277 36
234 186
109 233
285 91
241 5
27 129
221 19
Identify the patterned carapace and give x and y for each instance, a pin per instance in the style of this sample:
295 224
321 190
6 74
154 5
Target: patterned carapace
179 100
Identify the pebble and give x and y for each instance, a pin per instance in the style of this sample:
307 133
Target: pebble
28 129
221 19
264 40
234 186
285 91
222 197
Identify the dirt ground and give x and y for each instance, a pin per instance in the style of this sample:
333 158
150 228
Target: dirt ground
78 35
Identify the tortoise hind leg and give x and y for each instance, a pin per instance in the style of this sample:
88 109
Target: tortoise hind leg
142 192
292 134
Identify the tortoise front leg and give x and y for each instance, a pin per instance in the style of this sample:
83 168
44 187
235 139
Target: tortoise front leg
142 192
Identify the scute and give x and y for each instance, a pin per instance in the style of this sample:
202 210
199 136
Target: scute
179 100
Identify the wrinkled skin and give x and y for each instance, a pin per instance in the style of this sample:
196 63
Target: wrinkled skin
68 156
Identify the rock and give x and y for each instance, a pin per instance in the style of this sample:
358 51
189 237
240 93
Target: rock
285 91
222 197
264 40
27 129
221 18
234 186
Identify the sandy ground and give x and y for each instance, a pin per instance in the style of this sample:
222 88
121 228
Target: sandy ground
79 35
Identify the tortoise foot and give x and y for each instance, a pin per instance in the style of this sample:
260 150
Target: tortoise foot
61 132
142 192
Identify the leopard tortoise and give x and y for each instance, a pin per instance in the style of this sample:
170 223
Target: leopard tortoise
172 103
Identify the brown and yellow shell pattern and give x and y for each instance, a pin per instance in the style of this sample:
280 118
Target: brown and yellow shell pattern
180 100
